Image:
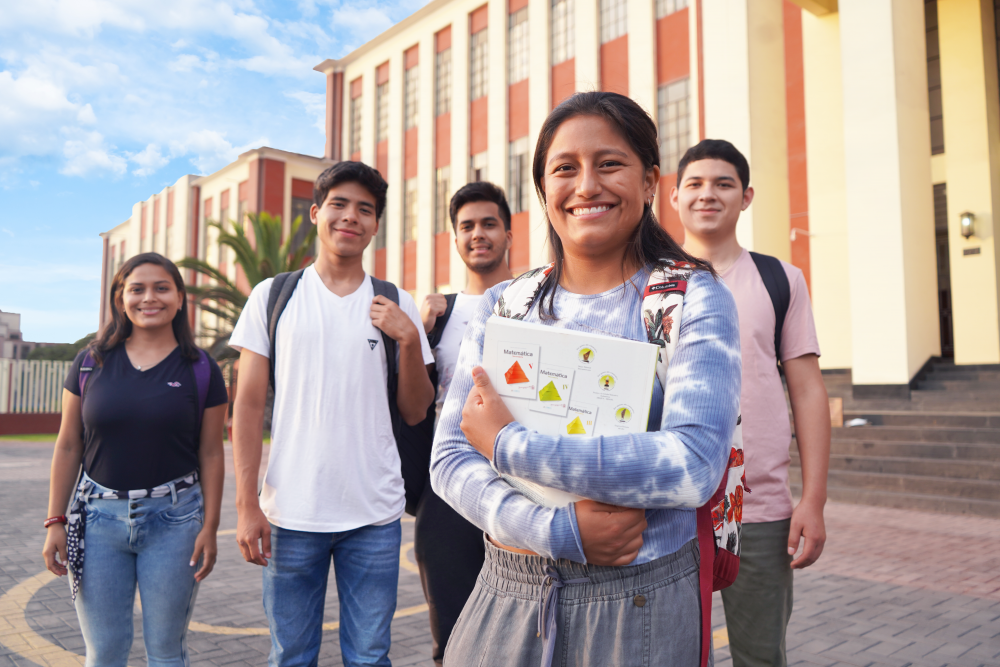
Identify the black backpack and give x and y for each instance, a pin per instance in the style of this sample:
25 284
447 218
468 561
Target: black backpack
414 442
776 281
281 291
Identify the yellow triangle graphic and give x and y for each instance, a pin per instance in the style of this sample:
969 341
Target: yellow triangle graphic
549 393
575 427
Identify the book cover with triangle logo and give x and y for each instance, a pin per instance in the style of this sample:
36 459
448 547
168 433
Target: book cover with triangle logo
520 370
556 384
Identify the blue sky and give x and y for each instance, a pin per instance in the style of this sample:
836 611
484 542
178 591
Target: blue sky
104 102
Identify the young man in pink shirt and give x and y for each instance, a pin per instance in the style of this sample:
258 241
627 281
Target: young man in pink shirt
713 188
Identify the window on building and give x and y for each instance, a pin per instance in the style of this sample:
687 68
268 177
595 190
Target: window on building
355 125
300 207
411 96
480 67
518 176
563 31
442 200
382 112
517 51
613 19
675 135
442 82
934 77
410 213
477 167
665 7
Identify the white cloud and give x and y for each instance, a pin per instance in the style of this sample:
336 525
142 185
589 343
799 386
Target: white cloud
87 154
360 22
7 232
211 149
85 116
315 104
149 160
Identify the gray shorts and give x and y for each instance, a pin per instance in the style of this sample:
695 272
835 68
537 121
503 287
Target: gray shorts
647 614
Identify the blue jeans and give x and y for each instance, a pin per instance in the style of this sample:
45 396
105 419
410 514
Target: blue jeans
366 564
146 542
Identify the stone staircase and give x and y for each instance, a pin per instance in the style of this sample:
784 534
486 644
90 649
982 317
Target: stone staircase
938 451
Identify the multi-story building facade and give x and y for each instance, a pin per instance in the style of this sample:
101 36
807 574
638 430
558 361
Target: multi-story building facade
173 222
872 128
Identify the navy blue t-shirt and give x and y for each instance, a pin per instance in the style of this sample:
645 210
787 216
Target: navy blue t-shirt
140 428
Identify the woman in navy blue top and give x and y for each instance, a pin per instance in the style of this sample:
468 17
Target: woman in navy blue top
143 412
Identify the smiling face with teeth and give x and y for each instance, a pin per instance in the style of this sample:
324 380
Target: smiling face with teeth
595 188
150 297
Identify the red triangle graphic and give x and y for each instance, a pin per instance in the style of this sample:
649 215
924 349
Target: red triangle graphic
515 374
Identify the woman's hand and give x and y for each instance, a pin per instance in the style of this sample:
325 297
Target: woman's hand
611 535
484 414
54 550
204 546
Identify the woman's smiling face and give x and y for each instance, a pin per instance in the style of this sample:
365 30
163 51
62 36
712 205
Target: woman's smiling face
595 186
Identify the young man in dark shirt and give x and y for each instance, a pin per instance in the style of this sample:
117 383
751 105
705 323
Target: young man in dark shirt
449 549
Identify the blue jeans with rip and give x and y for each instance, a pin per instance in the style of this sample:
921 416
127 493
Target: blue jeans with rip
145 542
366 565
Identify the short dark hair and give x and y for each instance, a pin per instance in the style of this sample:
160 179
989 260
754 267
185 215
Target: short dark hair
346 172
716 149
479 191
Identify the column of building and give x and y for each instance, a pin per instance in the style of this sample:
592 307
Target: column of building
970 142
442 98
890 222
744 102
518 174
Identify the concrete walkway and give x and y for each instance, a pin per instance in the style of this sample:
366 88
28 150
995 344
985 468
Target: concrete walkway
893 588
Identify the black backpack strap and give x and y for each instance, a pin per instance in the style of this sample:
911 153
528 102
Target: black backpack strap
281 291
389 291
776 281
434 337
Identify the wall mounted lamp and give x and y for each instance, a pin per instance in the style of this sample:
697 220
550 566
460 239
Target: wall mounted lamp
968 223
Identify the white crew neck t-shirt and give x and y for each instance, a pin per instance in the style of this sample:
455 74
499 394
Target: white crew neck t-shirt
446 352
333 464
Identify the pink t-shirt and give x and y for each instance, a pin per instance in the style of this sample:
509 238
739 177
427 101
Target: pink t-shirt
767 432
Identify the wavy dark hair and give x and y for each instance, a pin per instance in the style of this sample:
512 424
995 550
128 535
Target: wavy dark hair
650 244
119 328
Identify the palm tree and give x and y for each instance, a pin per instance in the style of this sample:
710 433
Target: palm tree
265 257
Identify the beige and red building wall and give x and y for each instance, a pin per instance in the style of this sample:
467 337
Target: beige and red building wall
817 122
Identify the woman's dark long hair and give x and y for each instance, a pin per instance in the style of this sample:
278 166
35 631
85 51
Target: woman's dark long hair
650 244
120 326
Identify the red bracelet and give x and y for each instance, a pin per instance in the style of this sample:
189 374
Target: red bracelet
54 519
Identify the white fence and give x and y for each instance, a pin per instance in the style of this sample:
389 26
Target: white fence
32 386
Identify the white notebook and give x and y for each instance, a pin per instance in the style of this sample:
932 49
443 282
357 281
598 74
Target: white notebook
570 383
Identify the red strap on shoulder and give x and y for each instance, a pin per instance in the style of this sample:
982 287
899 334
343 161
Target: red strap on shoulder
706 567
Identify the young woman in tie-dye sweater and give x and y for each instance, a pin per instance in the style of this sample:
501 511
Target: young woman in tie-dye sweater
612 580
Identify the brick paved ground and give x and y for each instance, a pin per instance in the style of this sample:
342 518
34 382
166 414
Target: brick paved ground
893 588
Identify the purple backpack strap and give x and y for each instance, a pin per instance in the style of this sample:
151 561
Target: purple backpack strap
86 368
202 378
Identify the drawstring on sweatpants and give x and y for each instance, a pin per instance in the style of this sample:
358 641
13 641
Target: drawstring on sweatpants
548 602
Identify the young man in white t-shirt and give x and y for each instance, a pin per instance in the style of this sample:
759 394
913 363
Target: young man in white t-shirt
333 487
713 188
449 550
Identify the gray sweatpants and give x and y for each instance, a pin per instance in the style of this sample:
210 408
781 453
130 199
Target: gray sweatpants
759 604
647 614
